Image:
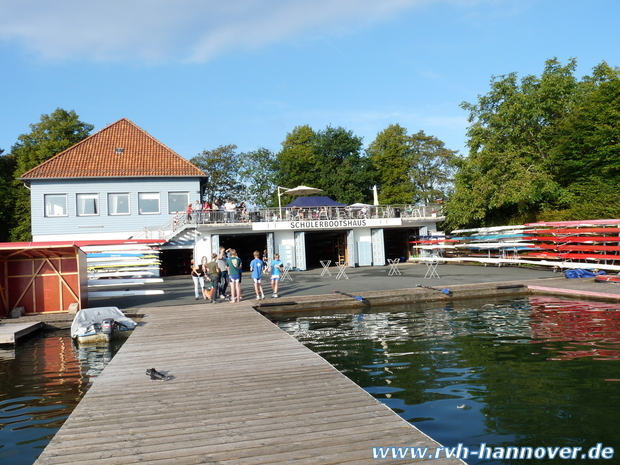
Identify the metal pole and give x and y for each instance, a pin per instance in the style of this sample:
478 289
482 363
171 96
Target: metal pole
280 200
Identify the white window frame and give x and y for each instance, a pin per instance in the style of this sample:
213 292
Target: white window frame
144 196
81 199
112 209
49 209
184 204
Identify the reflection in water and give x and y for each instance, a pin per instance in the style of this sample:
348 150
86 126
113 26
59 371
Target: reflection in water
592 328
526 372
41 382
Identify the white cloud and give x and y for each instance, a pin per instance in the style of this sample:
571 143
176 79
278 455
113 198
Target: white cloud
180 30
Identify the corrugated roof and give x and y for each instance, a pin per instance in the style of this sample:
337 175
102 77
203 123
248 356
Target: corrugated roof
121 149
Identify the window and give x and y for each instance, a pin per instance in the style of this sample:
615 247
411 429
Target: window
118 204
55 204
148 203
177 201
87 204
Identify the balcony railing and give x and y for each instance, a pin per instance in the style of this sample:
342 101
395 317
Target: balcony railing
240 217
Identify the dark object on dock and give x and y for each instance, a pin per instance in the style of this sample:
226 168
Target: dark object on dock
511 286
445 291
356 297
154 374
274 304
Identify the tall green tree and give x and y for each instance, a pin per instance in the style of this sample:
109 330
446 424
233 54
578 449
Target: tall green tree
257 173
508 175
344 169
391 157
297 161
54 133
589 137
222 166
433 168
411 169
586 157
330 159
7 194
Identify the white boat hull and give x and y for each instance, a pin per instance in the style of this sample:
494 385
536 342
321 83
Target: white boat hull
93 338
100 324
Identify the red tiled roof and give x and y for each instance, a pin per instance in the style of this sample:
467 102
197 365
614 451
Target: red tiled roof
97 156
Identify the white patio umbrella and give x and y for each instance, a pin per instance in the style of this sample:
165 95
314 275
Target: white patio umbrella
299 190
303 190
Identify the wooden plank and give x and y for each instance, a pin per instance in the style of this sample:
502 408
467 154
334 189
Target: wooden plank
243 392
10 333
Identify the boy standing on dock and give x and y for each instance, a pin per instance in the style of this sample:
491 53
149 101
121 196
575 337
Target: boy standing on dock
256 267
276 268
233 265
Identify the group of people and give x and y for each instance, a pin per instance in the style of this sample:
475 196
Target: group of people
215 211
211 278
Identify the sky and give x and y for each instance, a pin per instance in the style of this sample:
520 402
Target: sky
199 74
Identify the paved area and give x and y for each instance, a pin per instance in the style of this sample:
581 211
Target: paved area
179 290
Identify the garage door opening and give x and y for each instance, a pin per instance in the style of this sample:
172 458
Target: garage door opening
325 246
245 245
397 243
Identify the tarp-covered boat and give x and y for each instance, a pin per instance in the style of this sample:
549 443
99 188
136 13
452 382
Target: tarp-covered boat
99 324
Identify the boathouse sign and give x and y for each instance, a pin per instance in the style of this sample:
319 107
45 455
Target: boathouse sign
303 225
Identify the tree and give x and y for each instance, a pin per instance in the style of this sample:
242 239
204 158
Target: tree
257 173
330 160
589 137
344 173
433 168
297 161
411 169
53 134
586 157
391 155
7 200
508 174
222 168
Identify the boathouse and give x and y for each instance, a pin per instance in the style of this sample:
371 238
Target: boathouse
120 184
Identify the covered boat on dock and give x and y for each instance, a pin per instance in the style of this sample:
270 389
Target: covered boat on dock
99 324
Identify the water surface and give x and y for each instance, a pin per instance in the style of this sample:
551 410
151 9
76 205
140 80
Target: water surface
41 382
537 372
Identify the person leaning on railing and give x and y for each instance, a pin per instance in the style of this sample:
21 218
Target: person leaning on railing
242 212
206 208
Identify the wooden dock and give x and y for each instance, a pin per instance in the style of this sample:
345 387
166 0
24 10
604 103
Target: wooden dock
11 332
243 392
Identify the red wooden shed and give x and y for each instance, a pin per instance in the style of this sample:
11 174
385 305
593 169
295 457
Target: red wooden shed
42 277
